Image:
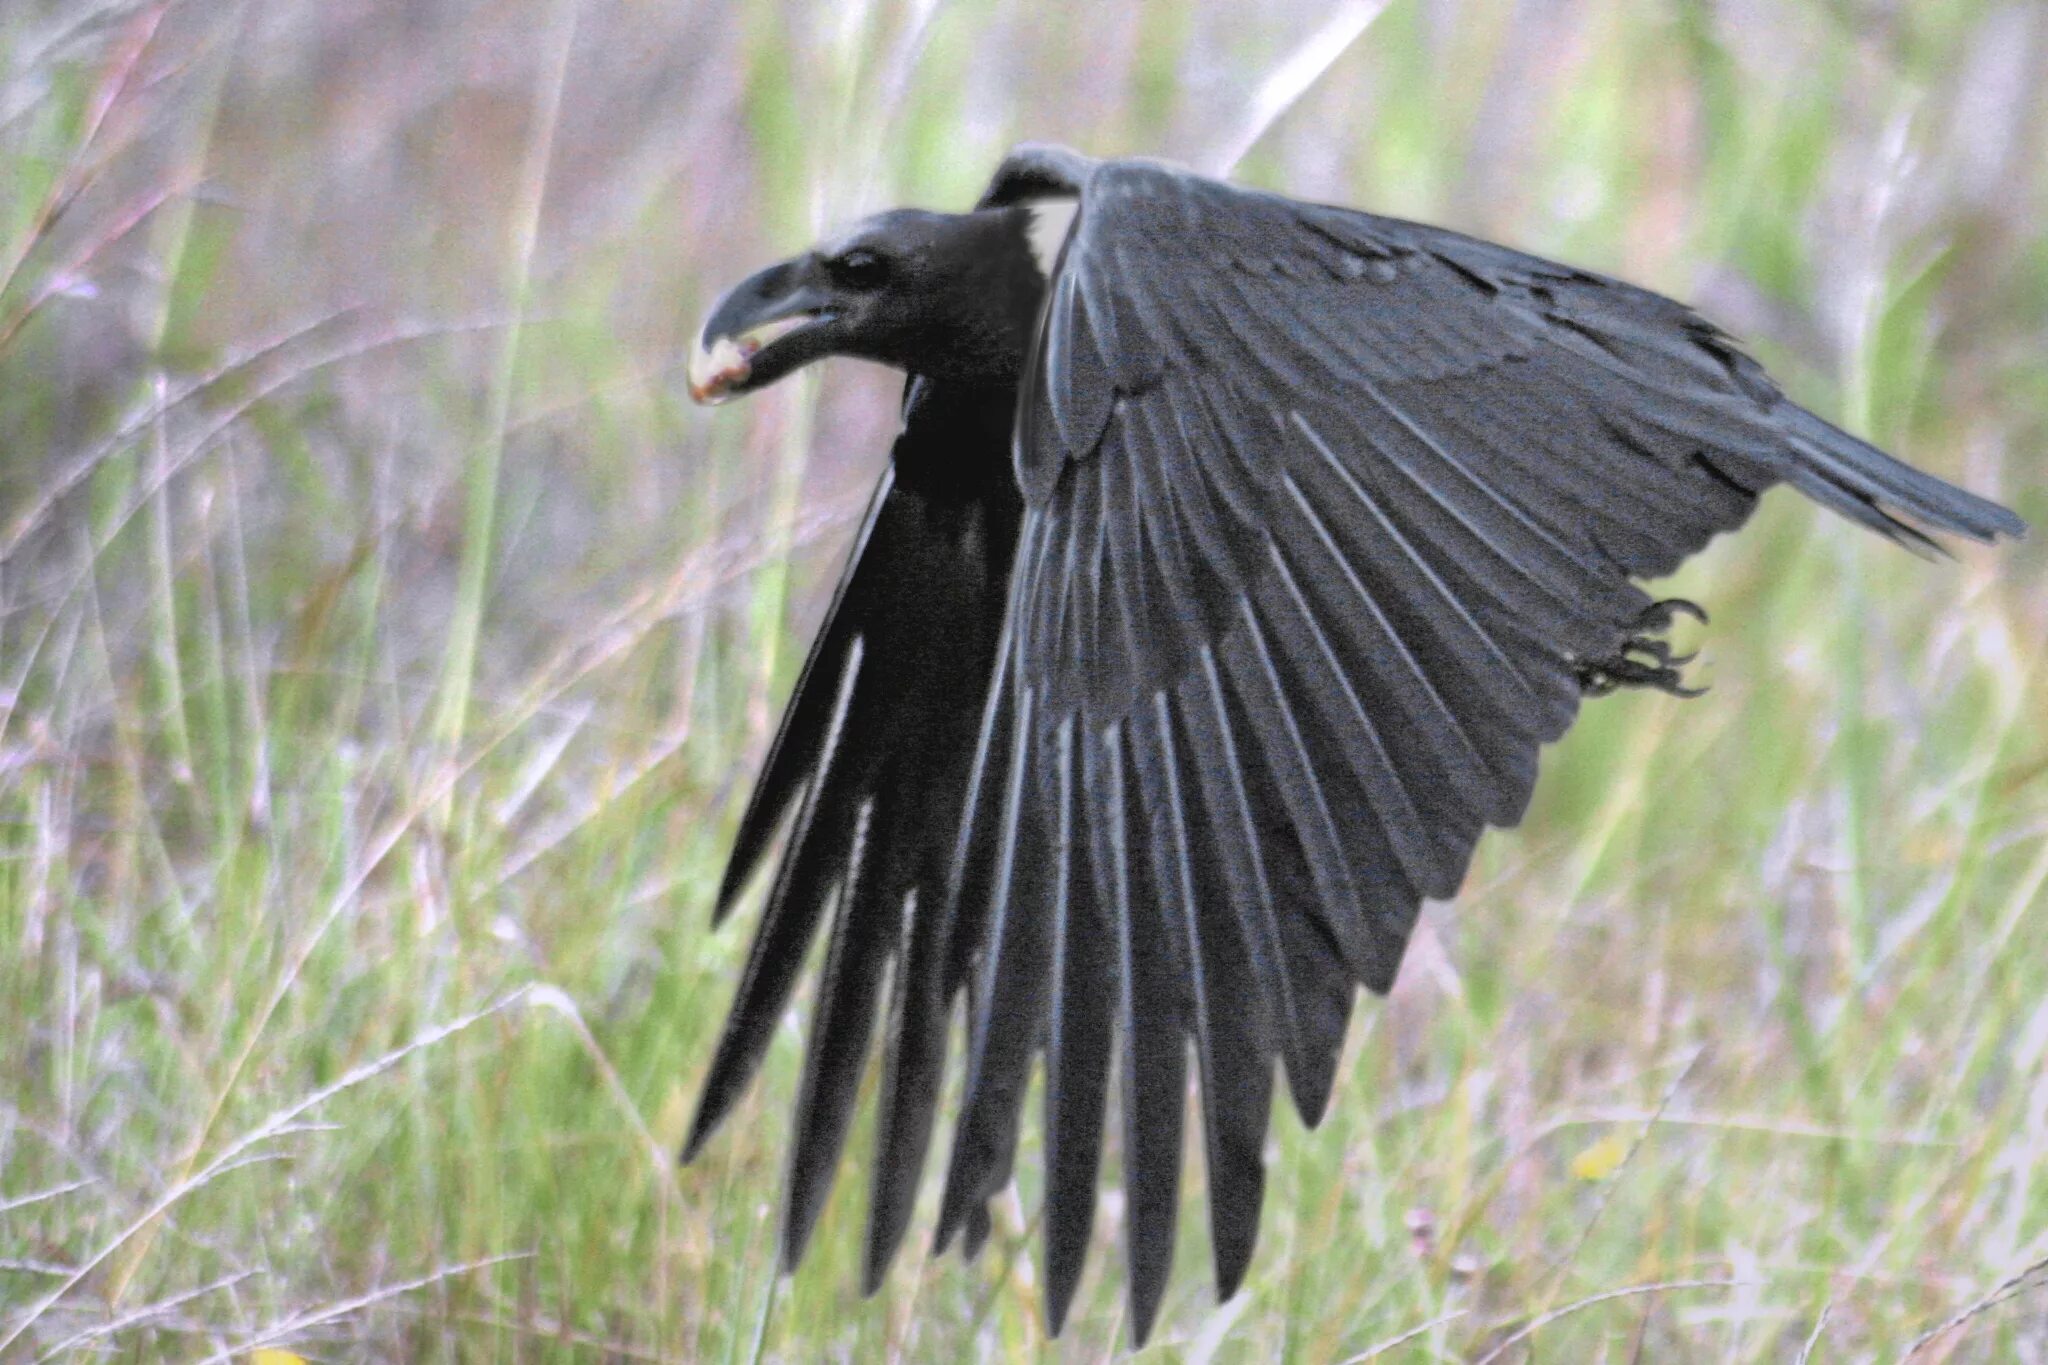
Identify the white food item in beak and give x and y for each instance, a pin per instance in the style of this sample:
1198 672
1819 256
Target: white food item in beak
714 369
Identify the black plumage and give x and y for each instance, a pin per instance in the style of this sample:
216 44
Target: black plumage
1235 560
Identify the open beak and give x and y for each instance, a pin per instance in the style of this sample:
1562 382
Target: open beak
763 328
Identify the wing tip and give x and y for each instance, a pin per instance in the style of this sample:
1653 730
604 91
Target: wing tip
739 874
793 1243
1145 1294
808 1192
961 1215
1311 1094
874 1270
980 1223
1234 1230
704 1125
1062 1281
1230 1277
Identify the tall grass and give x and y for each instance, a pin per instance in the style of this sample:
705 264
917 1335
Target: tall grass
383 644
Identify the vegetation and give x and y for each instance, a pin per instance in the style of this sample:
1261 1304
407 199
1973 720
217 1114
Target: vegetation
384 643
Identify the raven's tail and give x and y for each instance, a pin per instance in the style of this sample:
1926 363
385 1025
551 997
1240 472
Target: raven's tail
1871 488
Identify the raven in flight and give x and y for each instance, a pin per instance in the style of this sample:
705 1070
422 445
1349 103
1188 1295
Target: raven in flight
1235 559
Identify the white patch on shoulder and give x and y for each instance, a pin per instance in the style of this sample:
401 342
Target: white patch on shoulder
1046 230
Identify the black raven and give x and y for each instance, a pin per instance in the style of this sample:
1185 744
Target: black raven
1235 559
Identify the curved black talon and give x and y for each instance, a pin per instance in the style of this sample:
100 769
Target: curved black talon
1658 615
1643 660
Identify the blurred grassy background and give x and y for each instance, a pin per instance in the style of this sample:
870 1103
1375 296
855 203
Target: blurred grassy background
383 641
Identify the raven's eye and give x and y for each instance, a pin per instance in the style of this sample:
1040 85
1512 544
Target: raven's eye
859 268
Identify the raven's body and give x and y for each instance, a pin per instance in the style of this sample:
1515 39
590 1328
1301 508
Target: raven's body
1233 564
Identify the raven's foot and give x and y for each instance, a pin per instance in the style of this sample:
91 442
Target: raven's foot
1644 660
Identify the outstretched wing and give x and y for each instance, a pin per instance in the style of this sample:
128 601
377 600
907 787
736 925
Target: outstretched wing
872 756
1329 521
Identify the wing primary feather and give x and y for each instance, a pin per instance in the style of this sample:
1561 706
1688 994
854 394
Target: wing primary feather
777 955
969 882
1239 844
1248 660
1510 534
1356 736
804 741
842 1023
1481 656
1008 1002
1225 1007
1320 977
1077 1044
1482 778
911 1074
1154 1062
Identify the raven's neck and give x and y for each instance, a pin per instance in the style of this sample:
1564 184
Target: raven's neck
987 322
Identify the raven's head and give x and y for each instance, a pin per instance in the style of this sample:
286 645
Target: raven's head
948 295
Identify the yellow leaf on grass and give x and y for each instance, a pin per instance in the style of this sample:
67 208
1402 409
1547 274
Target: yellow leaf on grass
1602 1159
270 1355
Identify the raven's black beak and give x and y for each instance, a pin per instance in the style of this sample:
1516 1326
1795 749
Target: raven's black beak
764 327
